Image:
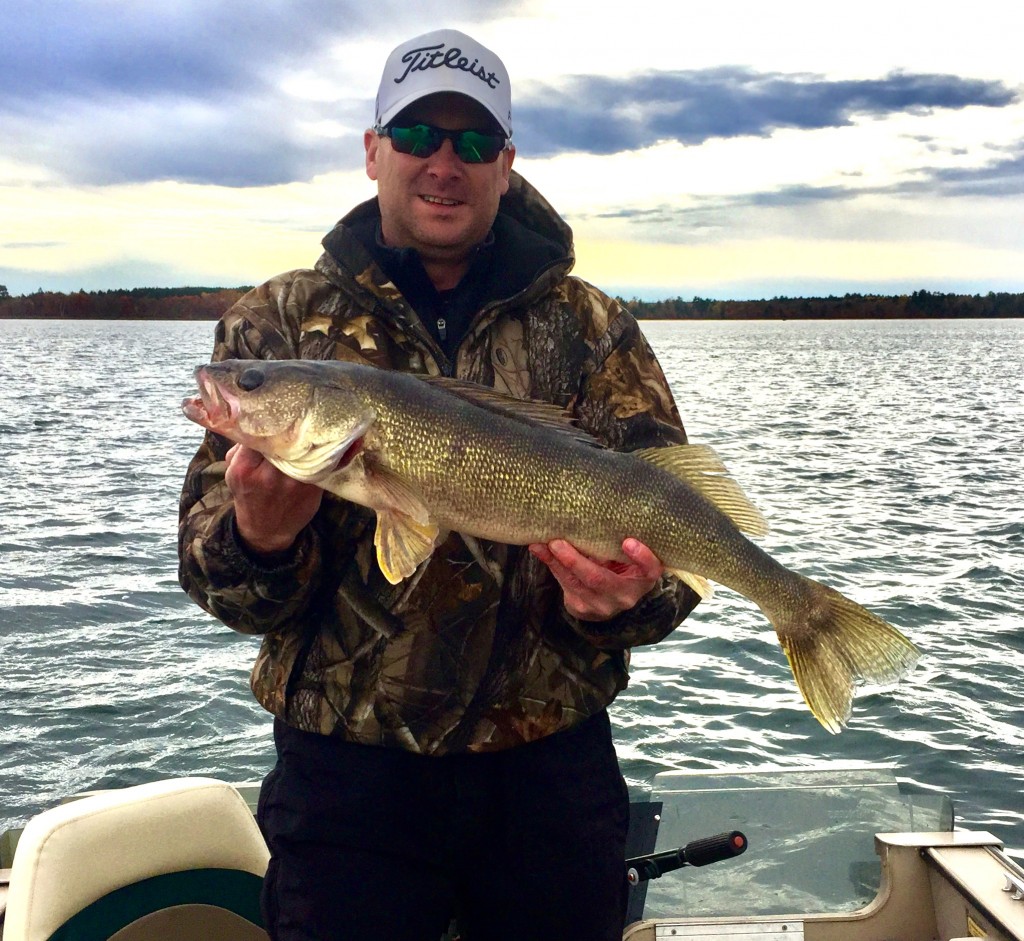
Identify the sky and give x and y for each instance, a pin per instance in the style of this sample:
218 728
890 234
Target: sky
734 149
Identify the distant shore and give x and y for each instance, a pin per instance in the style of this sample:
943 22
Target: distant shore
199 303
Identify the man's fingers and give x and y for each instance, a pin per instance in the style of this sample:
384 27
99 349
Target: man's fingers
643 557
243 460
563 576
585 570
597 590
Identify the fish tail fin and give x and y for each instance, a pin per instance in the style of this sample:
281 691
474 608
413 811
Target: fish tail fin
700 467
833 645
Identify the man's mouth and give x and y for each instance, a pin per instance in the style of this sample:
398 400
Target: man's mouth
440 200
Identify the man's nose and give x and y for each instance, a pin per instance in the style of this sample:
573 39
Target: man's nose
445 160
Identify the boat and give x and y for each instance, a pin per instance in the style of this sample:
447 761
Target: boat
836 853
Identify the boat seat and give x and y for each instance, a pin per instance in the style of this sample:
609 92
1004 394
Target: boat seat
180 859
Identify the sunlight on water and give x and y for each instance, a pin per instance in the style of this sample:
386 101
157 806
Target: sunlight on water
886 456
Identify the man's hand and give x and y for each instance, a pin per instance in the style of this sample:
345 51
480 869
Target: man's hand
271 509
597 591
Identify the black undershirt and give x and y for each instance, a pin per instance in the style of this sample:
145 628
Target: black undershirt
446 314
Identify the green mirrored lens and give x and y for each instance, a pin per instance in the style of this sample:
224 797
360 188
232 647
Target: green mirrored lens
474 147
418 140
422 140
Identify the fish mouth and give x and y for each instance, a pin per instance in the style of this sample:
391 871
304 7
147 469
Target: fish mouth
214 408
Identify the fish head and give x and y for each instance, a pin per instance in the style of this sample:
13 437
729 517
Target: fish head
308 422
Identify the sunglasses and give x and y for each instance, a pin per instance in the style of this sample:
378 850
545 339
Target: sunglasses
422 140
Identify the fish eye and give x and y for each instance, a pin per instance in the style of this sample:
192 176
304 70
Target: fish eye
250 379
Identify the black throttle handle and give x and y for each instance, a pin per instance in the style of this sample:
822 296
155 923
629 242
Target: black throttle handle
709 849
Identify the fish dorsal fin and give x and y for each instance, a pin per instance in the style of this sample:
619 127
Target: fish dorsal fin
702 469
524 411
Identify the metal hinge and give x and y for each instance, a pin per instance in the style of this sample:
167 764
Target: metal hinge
1014 886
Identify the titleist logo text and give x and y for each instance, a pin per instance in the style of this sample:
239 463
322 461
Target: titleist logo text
435 57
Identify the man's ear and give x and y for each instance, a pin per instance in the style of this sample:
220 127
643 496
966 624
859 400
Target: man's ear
507 156
371 144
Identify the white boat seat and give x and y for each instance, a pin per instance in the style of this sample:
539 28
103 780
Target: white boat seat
179 859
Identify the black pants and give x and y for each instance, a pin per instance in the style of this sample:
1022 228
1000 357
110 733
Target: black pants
526 844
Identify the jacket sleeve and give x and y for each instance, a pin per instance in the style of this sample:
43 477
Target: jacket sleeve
250 595
625 401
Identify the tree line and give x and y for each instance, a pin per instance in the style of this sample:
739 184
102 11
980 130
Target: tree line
186 303
919 304
206 303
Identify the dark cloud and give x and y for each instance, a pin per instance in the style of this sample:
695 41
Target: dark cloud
80 49
102 92
1002 177
198 48
608 115
801 195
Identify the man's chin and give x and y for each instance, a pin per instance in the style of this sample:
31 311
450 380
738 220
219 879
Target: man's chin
449 241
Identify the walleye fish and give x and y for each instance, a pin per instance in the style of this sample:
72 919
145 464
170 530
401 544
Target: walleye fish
433 455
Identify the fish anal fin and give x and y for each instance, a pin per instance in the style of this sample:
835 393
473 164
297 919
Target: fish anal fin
402 543
697 582
700 467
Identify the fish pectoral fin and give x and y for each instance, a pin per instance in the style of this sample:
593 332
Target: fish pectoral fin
697 582
402 543
700 467
406 532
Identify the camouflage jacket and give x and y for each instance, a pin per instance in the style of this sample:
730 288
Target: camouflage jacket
457 663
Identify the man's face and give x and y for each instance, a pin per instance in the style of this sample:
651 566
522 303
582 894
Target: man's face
438 205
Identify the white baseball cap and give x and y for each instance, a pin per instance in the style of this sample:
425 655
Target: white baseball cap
444 61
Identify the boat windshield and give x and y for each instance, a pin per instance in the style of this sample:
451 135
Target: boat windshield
810 832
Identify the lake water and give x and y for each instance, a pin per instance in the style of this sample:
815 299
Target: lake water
886 456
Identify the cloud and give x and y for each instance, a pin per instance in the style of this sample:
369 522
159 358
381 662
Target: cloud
920 204
603 115
103 92
86 48
1002 177
100 92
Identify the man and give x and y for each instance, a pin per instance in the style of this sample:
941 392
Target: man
443 745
